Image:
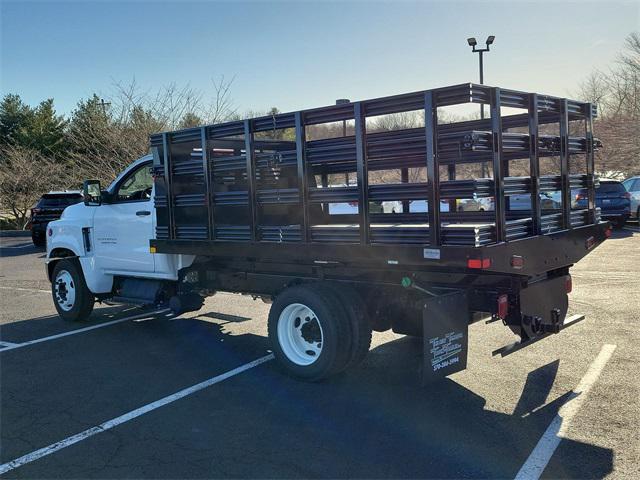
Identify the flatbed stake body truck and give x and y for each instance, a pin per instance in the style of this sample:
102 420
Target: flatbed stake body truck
348 227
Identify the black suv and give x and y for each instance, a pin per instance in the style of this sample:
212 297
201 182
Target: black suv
48 209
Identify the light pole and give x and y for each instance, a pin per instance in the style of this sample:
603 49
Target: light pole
473 44
342 101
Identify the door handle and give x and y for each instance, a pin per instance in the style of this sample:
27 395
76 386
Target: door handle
143 213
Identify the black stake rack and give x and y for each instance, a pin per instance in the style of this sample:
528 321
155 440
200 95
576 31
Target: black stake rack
261 188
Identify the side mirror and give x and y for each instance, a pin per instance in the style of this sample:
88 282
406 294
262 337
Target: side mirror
92 193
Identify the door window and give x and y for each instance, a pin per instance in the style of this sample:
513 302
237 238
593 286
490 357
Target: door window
136 186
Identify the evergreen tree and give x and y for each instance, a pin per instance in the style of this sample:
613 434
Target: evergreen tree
90 128
189 120
39 128
14 118
45 131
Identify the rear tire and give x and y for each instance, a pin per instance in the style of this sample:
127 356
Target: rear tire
619 224
71 296
309 332
356 312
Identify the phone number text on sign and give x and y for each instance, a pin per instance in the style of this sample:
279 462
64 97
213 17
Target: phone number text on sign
445 350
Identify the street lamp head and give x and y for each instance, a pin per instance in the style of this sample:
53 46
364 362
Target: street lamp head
472 42
490 39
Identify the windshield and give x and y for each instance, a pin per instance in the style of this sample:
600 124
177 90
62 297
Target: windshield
610 187
58 201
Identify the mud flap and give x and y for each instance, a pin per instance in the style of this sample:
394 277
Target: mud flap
445 321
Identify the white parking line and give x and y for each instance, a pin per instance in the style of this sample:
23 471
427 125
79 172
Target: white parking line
81 330
103 427
21 289
557 429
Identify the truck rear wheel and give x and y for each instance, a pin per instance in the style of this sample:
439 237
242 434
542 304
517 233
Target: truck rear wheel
71 296
356 312
309 332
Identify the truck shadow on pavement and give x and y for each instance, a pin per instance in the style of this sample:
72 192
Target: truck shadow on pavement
378 422
20 249
375 421
617 234
35 328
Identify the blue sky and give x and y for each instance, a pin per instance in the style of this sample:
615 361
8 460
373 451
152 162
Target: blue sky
297 55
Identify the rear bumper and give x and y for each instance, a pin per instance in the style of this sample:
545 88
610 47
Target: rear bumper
40 224
616 215
39 229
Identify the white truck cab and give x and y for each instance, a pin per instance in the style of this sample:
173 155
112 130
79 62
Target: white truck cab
98 244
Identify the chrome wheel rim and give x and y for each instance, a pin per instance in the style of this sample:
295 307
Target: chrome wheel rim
64 290
300 334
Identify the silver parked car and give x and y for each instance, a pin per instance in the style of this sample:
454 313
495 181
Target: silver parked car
632 185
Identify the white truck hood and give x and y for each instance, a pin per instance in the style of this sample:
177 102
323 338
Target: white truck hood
78 214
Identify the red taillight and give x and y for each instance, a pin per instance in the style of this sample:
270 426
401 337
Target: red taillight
478 263
607 232
503 306
568 283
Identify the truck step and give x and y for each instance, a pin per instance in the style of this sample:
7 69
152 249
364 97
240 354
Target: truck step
515 346
130 301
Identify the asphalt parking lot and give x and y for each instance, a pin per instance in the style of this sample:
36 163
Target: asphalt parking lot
107 398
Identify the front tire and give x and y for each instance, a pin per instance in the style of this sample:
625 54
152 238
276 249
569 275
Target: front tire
309 332
71 296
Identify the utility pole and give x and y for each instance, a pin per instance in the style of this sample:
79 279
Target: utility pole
104 106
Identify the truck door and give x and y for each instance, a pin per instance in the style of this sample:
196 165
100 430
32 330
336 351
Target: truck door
123 228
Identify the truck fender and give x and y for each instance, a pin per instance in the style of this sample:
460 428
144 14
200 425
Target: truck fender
96 280
56 254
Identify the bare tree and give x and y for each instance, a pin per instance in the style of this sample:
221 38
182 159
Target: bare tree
594 89
616 92
221 107
104 141
631 56
24 176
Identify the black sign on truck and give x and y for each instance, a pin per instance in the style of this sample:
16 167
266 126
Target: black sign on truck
445 325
